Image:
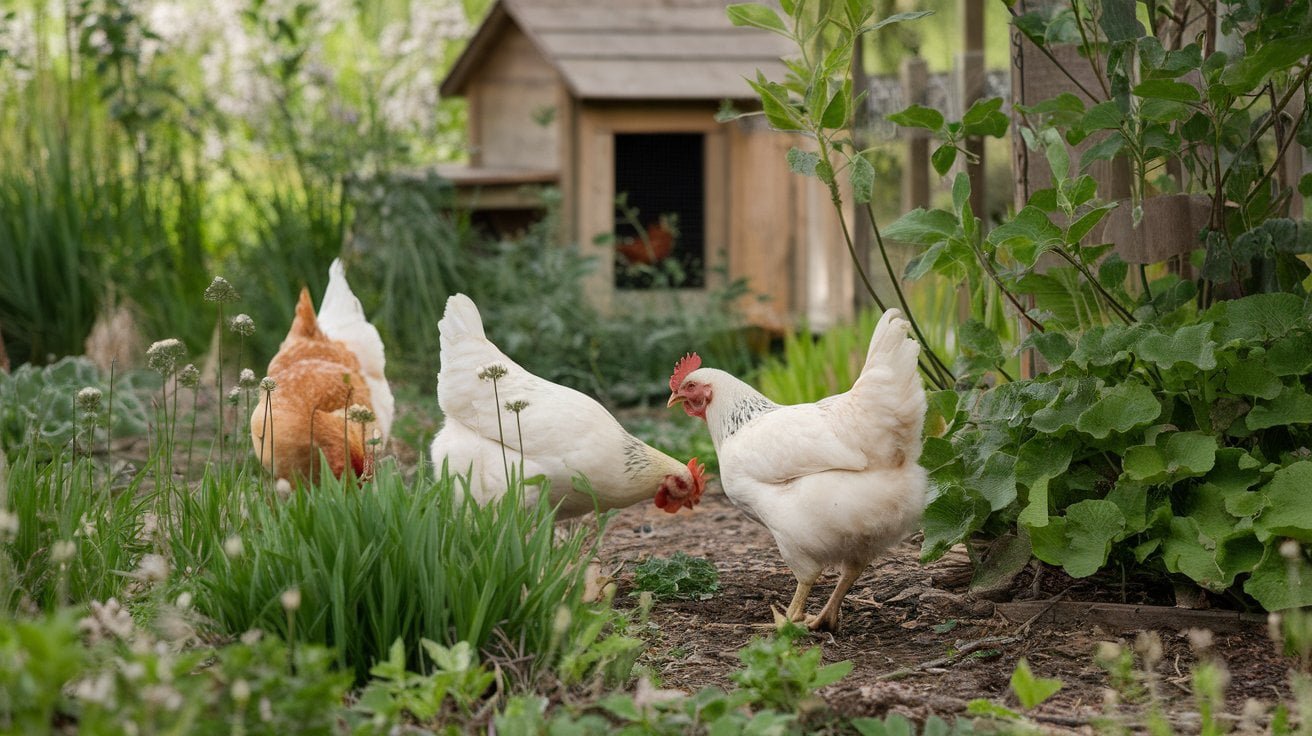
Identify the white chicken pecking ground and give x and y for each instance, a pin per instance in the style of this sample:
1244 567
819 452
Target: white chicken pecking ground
564 432
837 482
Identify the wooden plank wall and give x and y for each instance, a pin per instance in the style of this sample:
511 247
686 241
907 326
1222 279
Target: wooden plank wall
513 87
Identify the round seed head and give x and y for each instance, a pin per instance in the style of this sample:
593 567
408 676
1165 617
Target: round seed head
291 599
88 400
492 372
1290 549
234 395
246 379
268 384
221 291
62 551
359 414
516 406
163 356
243 325
189 376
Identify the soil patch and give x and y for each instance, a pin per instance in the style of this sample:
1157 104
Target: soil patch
918 623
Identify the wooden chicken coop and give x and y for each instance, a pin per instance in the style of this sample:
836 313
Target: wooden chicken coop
609 101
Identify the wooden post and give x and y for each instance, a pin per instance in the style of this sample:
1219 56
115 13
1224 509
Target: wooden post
914 75
970 88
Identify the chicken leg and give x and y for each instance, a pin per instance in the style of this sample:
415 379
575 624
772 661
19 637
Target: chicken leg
797 609
827 619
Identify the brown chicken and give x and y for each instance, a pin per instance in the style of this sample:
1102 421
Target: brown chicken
331 396
657 246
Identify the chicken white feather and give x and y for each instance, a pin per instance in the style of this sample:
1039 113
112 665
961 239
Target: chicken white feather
564 432
341 317
837 481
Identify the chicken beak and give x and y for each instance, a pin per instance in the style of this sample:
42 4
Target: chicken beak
674 399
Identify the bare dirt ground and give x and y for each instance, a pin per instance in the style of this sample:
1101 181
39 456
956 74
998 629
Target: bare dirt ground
901 615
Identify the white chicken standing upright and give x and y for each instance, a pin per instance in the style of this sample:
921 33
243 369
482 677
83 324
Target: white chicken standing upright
836 482
490 402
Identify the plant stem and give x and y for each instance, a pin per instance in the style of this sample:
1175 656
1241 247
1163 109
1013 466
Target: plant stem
901 298
1116 307
1056 63
1020 309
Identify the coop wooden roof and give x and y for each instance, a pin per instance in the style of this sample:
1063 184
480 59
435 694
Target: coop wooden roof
632 49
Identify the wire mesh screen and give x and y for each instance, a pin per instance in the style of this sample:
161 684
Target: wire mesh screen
660 210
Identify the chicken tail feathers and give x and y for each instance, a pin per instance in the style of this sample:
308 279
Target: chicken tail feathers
305 324
342 318
890 386
461 319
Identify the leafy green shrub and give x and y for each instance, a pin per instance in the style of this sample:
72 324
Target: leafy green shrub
1180 446
391 561
48 676
678 576
776 675
38 406
395 691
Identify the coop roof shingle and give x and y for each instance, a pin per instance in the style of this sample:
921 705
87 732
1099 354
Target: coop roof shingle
626 49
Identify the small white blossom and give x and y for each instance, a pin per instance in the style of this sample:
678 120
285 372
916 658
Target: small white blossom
8 525
163 356
62 551
162 696
233 547
152 569
133 671
241 692
291 599
1290 549
85 528
266 710
246 379
234 395
283 487
98 690
106 620
252 637
267 384
184 600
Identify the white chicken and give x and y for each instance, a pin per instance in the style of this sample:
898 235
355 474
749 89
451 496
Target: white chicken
836 482
491 404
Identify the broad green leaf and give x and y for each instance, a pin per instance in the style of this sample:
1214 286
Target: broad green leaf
1030 232
1212 563
1053 346
1132 499
996 480
1288 512
802 162
1292 406
1190 345
1049 541
1103 116
1112 272
923 227
918 116
976 339
1278 584
1166 89
1252 378
1031 690
1271 56
862 176
1258 316
897 18
985 118
1245 504
953 513
1105 345
1076 397
1059 159
1040 460
960 191
1122 408
1175 455
1291 356
1104 150
1086 222
1235 470
831 673
1118 21
835 114
778 110
757 16
1091 526
943 157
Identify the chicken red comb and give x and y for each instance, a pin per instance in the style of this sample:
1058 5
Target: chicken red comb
687 364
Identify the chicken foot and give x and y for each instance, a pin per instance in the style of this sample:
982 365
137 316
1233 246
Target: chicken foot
827 619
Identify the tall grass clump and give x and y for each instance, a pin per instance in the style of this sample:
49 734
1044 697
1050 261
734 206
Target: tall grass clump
357 568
